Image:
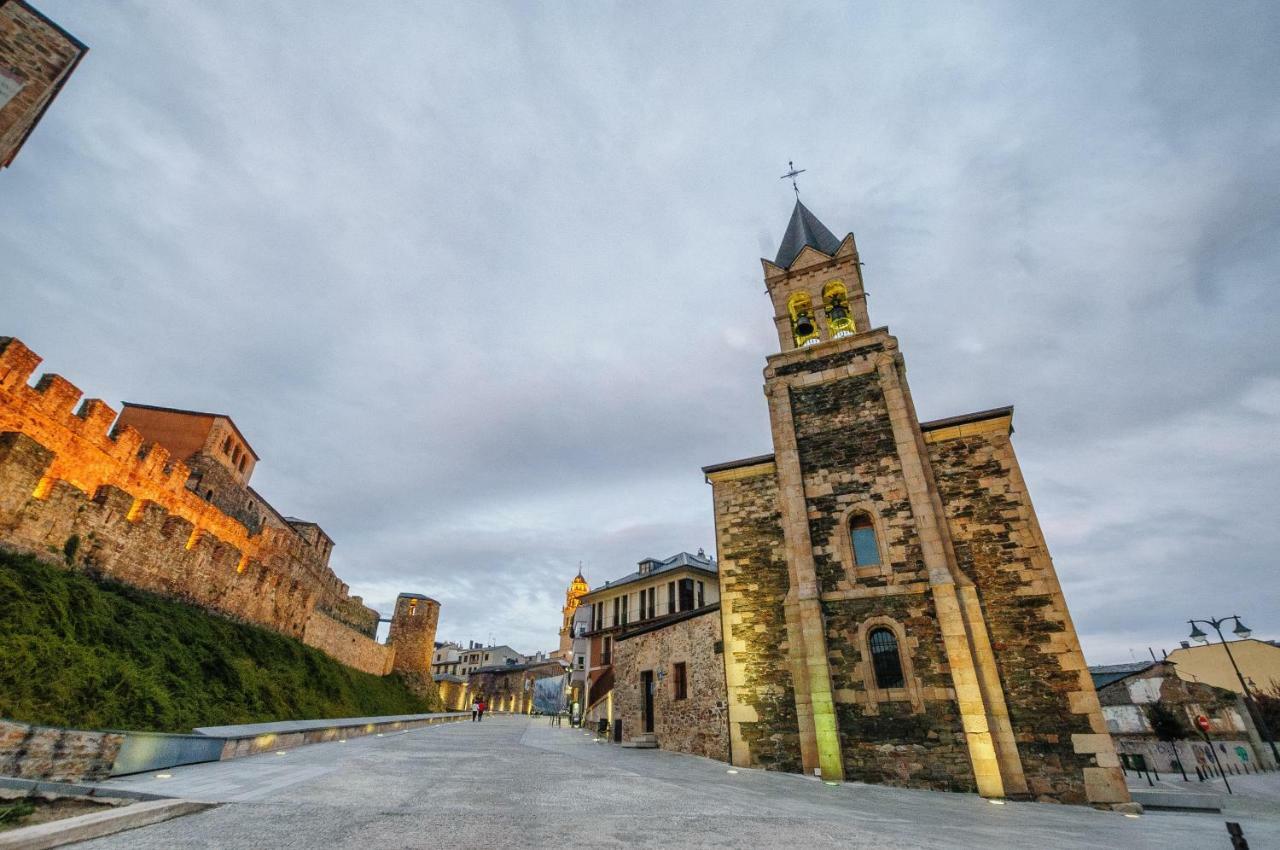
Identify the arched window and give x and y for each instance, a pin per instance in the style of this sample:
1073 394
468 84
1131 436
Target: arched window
866 552
226 447
243 462
803 328
835 302
884 659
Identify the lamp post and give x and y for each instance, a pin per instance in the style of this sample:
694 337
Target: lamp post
1240 631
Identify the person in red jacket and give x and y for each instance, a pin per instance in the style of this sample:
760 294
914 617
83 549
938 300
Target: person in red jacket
483 706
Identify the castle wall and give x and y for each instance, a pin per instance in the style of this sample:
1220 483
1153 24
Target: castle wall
346 645
763 727
70 491
413 634
1057 720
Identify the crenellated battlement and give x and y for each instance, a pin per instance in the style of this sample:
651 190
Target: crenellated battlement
71 473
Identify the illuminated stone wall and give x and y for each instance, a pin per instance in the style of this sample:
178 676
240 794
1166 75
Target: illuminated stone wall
74 491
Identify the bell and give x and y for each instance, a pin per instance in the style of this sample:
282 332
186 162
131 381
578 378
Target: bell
837 312
804 325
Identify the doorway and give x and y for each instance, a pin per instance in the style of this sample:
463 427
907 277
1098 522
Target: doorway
646 688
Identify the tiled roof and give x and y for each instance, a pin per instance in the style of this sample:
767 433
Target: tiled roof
1106 674
675 562
804 229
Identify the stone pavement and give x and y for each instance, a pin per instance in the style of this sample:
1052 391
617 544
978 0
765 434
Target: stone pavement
518 782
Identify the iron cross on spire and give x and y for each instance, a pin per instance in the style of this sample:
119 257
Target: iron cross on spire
792 175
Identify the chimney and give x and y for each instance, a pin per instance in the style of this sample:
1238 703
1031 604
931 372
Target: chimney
1184 645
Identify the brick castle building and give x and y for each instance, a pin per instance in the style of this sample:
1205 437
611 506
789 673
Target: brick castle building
889 608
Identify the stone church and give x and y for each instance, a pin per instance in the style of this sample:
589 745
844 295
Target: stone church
889 608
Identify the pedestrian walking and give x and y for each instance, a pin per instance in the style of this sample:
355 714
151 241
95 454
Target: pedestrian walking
475 710
483 705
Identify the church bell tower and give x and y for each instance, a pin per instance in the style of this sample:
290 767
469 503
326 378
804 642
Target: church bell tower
888 602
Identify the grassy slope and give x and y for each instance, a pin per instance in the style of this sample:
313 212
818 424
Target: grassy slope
79 653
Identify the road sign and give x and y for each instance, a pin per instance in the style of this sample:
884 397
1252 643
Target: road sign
1202 722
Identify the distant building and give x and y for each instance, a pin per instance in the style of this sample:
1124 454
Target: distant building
1259 662
581 647
658 588
1129 692
37 57
572 597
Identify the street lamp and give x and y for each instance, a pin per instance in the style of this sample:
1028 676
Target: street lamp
1241 631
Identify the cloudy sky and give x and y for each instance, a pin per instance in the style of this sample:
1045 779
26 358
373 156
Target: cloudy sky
480 281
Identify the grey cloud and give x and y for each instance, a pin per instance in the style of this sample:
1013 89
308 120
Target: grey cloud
480 282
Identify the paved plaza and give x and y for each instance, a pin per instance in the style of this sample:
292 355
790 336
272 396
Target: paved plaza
518 782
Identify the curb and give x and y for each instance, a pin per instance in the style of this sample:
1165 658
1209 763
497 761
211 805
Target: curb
97 824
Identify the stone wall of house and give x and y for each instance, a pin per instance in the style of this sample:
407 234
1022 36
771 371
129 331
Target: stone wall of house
56 755
37 55
72 491
697 723
1057 719
753 586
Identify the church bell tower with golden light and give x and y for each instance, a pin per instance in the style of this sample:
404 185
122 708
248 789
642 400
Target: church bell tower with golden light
889 608
577 589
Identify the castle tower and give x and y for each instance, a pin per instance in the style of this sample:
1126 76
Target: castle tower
577 589
885 587
413 633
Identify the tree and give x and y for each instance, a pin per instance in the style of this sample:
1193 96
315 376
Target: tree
1168 726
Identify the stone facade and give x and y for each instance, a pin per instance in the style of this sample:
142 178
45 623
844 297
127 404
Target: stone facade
693 722
76 491
56 755
990 691
509 688
37 57
413 633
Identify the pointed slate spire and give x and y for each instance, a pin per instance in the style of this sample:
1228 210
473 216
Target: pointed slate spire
804 229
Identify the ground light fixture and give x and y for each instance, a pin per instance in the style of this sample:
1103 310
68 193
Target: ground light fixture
279 752
731 770
164 776
995 802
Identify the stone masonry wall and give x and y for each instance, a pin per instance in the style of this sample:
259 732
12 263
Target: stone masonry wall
1054 710
40 55
346 645
56 755
910 736
763 728
697 724
70 492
